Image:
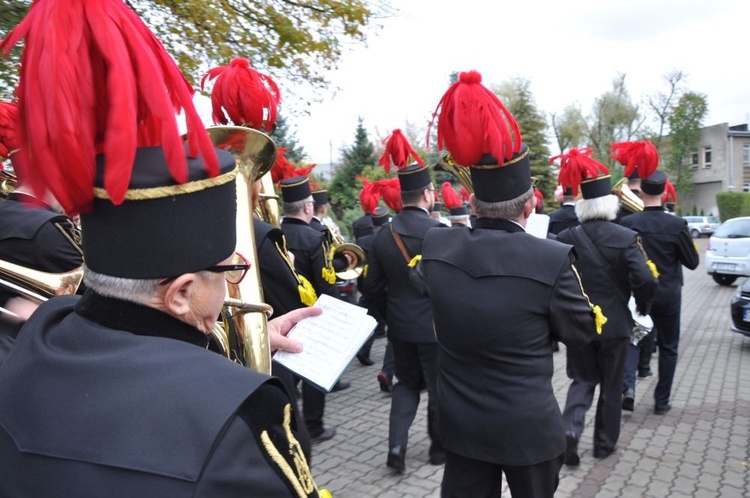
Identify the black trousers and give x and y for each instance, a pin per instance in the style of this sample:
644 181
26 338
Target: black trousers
465 477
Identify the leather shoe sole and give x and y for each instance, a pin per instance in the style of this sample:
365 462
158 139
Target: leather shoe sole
397 459
364 360
571 451
628 401
327 434
386 382
602 453
643 375
340 386
662 409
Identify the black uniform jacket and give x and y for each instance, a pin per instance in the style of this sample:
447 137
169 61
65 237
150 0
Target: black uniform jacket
627 272
669 245
562 218
362 226
280 286
306 244
38 238
500 297
101 397
339 261
387 288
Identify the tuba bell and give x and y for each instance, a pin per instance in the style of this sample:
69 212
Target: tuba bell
628 199
340 246
243 335
37 286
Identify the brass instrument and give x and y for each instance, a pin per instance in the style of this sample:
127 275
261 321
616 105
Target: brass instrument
37 286
268 202
447 164
243 336
355 268
8 183
628 199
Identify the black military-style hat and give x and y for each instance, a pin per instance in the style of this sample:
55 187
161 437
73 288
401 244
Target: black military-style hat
295 189
162 228
437 207
459 211
379 216
600 186
493 183
414 177
654 184
320 196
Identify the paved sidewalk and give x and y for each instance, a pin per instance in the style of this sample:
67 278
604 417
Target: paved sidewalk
701 448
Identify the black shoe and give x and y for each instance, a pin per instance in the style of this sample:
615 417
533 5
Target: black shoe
340 386
662 409
598 453
397 459
628 400
645 374
325 435
386 382
571 450
365 360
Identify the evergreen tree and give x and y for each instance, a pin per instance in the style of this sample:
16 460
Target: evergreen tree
344 188
517 97
295 152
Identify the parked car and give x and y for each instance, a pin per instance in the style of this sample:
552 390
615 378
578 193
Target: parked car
728 253
702 225
740 308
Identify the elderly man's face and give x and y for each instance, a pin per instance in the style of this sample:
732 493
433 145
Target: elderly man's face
207 299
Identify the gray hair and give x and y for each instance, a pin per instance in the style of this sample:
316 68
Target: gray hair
292 208
138 291
508 210
598 208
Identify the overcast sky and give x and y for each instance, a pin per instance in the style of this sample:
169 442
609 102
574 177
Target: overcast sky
570 51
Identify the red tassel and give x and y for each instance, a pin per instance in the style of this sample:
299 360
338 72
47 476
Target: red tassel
399 151
576 166
369 196
247 96
670 193
390 190
8 126
450 197
641 156
115 88
474 122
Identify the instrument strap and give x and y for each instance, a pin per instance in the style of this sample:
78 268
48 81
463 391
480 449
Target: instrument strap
580 233
400 244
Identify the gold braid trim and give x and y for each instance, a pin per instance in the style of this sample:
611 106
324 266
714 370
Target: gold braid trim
414 261
302 480
651 265
304 287
599 318
510 162
328 273
145 194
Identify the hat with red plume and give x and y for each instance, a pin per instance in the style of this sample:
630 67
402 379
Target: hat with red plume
399 151
639 158
670 193
283 169
464 194
452 201
578 168
369 196
98 96
8 129
248 97
390 191
480 132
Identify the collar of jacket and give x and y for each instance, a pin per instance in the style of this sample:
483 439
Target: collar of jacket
294 221
136 318
498 224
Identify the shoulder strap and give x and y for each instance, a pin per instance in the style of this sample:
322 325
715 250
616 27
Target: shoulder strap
400 244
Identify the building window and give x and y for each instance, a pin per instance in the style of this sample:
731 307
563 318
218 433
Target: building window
707 157
746 155
693 160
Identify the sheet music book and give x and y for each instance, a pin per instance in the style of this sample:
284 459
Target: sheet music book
330 341
538 225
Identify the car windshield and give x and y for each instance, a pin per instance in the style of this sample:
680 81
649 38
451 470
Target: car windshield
734 229
713 219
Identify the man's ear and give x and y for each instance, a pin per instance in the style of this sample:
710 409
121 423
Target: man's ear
529 207
178 292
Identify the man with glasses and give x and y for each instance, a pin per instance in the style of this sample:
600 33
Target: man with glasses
407 313
113 393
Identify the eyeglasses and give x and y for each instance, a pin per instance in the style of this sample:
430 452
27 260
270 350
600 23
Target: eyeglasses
234 273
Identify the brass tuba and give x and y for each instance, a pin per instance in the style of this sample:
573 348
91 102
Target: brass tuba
243 335
628 199
8 183
448 165
355 268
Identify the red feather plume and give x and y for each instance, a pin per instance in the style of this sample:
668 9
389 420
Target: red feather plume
474 122
538 194
369 196
641 156
249 98
578 165
8 128
464 194
450 197
399 151
283 169
390 191
94 79
670 193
